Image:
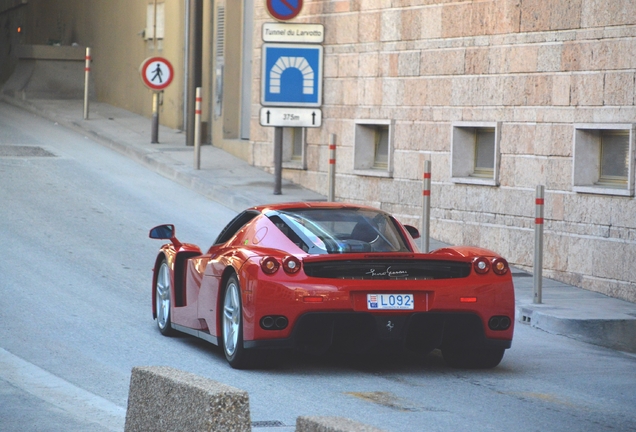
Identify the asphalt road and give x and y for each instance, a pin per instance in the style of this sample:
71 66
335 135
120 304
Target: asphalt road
75 318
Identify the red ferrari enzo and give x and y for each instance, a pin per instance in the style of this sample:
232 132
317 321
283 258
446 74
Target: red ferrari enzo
318 275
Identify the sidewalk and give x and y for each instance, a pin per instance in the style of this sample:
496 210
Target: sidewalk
566 310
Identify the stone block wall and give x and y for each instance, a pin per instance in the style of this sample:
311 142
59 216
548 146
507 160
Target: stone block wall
535 67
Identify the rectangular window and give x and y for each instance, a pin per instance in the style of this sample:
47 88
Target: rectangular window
475 153
381 157
603 159
294 148
614 158
484 152
373 147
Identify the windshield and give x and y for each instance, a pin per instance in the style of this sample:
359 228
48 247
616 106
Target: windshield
337 230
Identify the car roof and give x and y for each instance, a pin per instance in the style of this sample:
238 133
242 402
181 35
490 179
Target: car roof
311 205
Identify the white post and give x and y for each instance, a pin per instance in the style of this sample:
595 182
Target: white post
197 129
538 245
87 72
332 168
426 206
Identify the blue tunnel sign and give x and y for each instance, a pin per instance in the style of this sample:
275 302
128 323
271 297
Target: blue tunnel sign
291 75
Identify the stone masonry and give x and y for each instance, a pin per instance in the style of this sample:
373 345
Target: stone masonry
537 69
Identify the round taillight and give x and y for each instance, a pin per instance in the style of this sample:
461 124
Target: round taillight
500 266
481 265
291 265
269 265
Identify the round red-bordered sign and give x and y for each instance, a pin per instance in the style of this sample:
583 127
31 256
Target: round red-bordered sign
284 10
157 73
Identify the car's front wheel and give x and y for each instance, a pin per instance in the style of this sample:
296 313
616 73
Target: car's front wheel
479 357
237 356
162 299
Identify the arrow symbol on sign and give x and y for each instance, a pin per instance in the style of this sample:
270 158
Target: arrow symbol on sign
267 116
313 117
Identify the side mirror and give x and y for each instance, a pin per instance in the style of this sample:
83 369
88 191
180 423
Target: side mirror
414 232
162 232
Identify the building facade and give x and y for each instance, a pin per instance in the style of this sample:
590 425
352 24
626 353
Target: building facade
500 95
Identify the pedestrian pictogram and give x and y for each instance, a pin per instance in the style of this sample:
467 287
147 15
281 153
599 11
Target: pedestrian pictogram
284 10
157 73
292 75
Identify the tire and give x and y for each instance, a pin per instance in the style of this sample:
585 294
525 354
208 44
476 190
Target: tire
473 357
232 326
163 290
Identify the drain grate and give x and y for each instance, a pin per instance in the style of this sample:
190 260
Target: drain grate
23 151
267 423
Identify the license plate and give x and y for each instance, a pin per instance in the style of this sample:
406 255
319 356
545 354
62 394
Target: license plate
389 301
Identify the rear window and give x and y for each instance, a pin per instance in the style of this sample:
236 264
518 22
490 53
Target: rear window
336 230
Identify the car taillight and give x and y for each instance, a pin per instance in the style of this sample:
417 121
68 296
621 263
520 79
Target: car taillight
291 264
500 266
269 265
481 265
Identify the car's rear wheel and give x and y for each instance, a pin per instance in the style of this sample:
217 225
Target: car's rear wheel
162 299
237 356
479 357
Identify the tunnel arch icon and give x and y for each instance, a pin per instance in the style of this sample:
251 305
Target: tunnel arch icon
284 63
291 75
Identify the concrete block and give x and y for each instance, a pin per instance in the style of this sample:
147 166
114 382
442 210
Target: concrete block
443 62
600 13
476 61
561 90
348 65
506 14
587 89
389 64
369 27
411 24
163 398
535 15
431 22
619 88
565 14
409 63
369 64
549 57
482 20
441 92
391 23
456 19
346 28
392 92
575 55
522 58
415 92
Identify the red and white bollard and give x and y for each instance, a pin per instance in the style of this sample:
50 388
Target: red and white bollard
538 245
197 129
426 206
87 73
331 196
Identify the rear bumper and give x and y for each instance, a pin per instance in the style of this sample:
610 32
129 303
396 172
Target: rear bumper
358 331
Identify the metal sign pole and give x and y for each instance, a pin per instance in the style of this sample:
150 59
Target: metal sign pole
197 130
278 160
332 168
426 206
87 72
155 118
538 245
